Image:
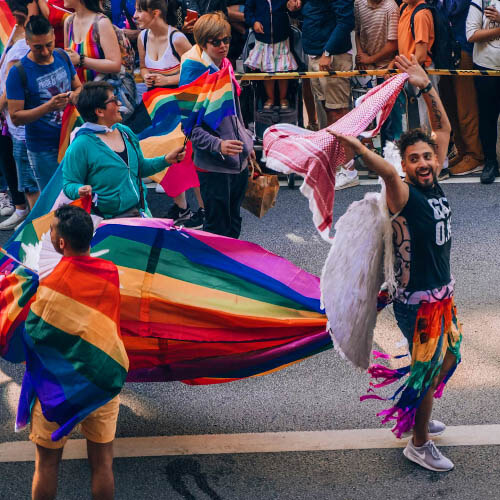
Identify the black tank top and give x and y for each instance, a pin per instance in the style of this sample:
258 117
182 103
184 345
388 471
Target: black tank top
424 229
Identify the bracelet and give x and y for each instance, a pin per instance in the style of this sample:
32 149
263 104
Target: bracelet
82 60
425 90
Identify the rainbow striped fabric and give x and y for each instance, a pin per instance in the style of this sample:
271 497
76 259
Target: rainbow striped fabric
7 23
205 309
208 99
71 119
435 330
75 359
18 284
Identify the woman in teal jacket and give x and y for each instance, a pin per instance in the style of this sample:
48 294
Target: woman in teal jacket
105 158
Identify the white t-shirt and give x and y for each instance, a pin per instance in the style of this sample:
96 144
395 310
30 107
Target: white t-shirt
485 54
15 53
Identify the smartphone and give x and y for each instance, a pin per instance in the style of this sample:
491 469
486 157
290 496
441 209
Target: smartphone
191 15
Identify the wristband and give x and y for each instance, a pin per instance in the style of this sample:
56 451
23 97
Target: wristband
82 60
425 90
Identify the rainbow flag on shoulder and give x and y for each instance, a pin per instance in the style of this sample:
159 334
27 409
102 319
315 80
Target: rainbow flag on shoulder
208 99
75 358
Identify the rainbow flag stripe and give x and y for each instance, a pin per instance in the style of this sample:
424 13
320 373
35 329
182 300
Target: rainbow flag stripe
202 308
208 99
7 23
71 119
75 359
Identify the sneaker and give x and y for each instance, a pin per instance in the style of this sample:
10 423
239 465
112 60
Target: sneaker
467 165
6 206
346 179
444 174
196 219
313 126
435 428
13 221
179 214
490 171
427 456
159 188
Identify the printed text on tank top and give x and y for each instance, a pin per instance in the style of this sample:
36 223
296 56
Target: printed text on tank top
422 242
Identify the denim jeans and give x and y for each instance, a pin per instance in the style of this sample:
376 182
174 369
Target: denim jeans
44 164
25 176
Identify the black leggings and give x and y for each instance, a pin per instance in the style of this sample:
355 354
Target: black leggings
488 100
8 166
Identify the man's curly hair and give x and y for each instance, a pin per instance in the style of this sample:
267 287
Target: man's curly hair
412 137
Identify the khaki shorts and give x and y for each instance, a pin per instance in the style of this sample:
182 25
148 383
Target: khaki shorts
335 92
99 426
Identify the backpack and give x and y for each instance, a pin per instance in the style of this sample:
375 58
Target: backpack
446 51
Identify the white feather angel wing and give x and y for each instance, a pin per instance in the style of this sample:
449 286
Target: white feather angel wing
352 276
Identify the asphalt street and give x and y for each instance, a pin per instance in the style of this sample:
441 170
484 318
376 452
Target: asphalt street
320 393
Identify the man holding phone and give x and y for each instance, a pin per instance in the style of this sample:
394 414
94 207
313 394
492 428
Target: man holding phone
39 87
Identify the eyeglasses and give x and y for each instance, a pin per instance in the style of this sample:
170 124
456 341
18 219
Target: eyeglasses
216 43
111 99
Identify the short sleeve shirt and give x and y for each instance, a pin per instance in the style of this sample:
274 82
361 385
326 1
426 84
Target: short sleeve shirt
375 25
424 31
43 82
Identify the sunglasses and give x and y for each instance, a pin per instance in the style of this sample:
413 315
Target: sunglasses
111 99
216 43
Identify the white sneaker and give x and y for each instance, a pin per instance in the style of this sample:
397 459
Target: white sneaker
346 179
159 188
428 456
435 428
6 206
13 221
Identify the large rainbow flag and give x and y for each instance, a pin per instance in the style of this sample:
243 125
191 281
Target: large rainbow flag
204 308
75 358
7 23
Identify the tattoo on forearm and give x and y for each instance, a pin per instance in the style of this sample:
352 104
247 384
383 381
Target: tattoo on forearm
436 114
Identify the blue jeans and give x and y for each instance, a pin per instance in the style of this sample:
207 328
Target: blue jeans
44 164
25 176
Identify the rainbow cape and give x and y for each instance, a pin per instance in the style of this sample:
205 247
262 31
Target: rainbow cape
208 99
75 359
7 23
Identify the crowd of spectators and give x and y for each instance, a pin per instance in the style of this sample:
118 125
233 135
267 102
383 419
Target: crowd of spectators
54 53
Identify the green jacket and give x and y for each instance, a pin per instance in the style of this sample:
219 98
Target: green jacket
89 161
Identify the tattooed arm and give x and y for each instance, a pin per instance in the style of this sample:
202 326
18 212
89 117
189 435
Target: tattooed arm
440 125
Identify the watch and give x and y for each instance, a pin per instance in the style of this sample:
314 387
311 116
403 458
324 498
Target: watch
82 60
425 90
326 53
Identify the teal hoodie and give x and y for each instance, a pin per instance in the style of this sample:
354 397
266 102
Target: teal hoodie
89 161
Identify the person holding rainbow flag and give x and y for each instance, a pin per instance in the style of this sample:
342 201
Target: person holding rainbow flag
222 155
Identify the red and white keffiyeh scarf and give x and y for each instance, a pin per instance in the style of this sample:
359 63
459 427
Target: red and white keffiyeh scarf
316 155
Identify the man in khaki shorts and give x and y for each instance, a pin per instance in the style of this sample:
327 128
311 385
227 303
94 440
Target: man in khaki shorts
326 39
71 232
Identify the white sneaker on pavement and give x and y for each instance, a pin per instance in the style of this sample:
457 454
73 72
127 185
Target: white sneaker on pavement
428 456
6 206
436 428
13 221
346 178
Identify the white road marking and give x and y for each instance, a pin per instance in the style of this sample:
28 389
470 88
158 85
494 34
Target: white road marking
265 442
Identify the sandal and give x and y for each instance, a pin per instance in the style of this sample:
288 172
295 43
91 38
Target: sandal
268 104
284 104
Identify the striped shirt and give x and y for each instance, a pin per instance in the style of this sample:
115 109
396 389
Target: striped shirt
375 25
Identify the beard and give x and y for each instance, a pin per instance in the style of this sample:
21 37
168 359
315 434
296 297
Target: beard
423 184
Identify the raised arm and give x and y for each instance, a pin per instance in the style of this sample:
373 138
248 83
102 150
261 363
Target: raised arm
440 125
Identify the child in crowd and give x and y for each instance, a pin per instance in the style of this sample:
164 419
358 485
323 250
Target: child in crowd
271 53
